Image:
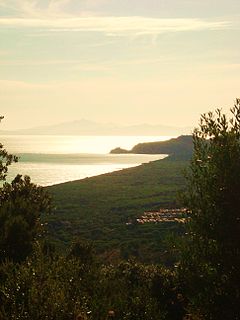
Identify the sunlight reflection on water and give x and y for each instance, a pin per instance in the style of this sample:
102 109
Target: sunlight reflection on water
73 144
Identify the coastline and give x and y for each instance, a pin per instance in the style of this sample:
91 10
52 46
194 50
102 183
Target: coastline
54 169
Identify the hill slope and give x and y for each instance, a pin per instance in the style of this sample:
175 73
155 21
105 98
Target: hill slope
99 209
177 147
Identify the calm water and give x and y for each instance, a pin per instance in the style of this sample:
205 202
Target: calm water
56 159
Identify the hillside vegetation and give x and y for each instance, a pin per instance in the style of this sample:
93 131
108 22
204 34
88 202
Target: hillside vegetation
101 207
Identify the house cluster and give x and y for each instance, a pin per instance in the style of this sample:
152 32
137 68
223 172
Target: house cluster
164 215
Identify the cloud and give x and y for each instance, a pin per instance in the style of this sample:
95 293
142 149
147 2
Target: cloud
34 8
116 25
60 16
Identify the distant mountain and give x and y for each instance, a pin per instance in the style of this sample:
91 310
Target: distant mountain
86 127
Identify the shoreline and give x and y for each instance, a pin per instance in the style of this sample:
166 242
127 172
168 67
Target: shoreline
108 173
48 170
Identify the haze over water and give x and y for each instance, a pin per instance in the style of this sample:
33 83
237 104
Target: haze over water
55 159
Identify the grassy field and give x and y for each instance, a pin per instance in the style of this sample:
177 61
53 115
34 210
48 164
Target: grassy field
100 207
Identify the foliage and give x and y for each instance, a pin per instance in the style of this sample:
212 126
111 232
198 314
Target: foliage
22 204
138 292
211 257
43 288
62 288
82 250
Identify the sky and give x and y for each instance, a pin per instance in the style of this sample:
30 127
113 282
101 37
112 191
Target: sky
118 61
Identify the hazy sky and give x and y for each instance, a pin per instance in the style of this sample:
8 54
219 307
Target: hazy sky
123 61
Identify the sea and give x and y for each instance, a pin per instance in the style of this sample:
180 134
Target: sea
55 159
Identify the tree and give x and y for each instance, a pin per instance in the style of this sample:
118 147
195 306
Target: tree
211 255
21 205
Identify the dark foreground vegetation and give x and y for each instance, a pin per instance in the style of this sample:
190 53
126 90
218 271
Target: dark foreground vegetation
200 282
